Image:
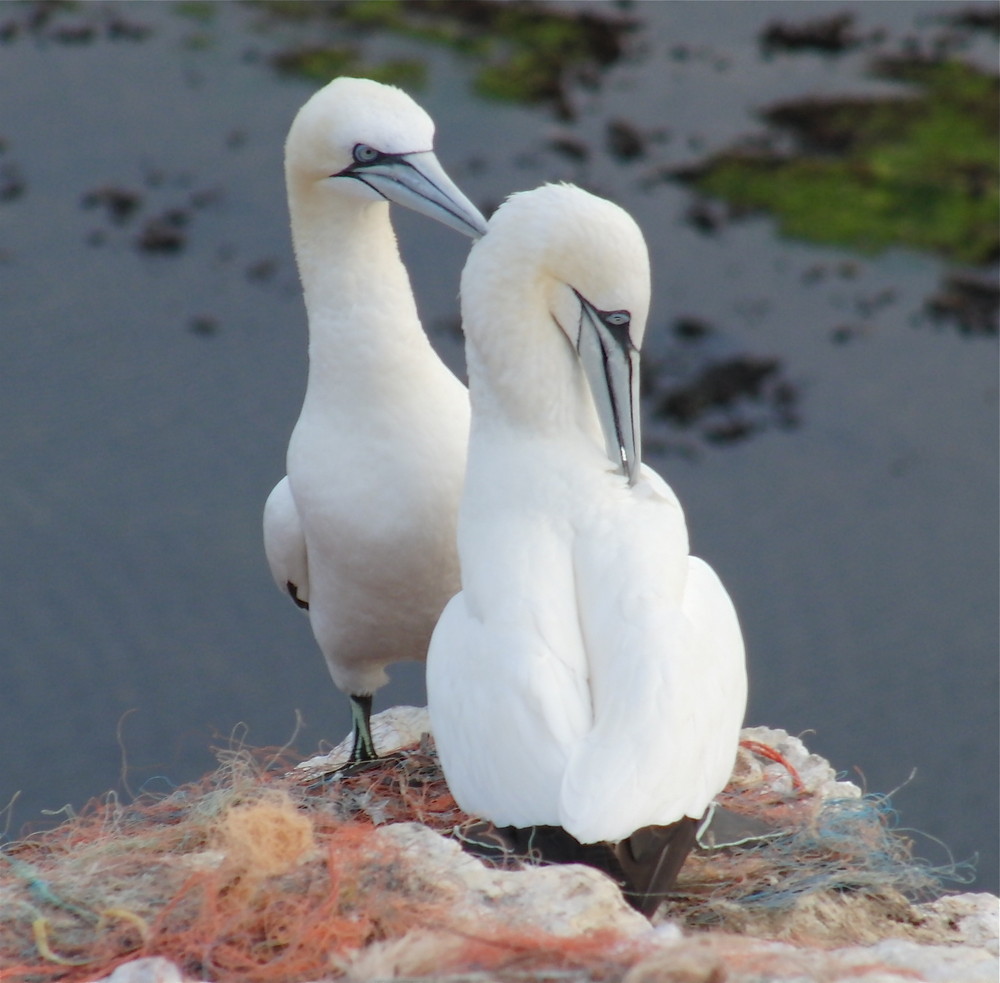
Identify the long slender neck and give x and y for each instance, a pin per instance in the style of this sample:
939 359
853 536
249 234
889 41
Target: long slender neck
363 321
523 372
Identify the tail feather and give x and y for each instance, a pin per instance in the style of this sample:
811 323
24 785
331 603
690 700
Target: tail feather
651 859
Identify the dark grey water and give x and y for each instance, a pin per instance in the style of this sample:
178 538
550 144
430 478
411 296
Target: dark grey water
147 397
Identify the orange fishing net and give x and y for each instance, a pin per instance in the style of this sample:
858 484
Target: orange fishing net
250 875
261 874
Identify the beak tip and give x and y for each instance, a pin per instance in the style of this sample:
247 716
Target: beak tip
469 223
478 226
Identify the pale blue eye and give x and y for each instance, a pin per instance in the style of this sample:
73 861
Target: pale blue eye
364 154
618 319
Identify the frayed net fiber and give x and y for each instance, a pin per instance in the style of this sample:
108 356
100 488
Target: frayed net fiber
261 874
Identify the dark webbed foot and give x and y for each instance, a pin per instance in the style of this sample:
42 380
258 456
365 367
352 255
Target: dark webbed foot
361 715
645 865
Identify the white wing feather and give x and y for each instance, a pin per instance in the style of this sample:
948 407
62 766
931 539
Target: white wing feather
667 675
506 674
285 542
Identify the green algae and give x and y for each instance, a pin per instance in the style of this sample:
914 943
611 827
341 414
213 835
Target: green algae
918 170
533 52
520 52
322 63
199 11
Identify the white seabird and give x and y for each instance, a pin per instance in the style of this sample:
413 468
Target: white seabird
361 531
590 676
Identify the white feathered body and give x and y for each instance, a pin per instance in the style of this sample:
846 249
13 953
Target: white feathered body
593 671
376 459
590 674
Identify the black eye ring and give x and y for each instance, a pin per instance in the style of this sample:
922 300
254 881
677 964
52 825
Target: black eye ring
618 319
363 154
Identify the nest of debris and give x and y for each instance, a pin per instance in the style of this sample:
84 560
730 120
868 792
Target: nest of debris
268 872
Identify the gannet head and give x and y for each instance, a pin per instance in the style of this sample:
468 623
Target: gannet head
588 259
371 141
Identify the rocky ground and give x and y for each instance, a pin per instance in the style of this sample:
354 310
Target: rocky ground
776 910
271 872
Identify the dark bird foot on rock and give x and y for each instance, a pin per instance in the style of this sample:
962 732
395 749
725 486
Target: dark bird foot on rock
645 865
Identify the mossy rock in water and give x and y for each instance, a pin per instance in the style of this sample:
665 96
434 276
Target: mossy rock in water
321 64
523 52
917 170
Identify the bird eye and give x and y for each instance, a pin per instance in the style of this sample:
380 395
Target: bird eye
618 319
363 154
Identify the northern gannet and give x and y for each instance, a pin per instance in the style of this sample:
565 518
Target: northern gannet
361 531
589 678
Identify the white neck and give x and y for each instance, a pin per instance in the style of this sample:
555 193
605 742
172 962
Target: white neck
523 371
363 322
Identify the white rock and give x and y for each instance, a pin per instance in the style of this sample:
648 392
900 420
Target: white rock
741 959
931 963
391 729
564 899
817 775
570 900
967 919
155 969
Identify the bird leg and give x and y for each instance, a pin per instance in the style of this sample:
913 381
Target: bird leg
361 714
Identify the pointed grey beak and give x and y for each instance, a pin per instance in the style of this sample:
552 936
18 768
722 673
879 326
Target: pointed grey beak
419 182
611 365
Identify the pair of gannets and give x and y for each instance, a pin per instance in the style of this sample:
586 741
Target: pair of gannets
586 685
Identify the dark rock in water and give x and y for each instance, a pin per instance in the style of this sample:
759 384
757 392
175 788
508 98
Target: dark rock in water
119 204
706 217
691 328
12 182
969 303
977 18
829 35
718 385
164 233
570 147
625 141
